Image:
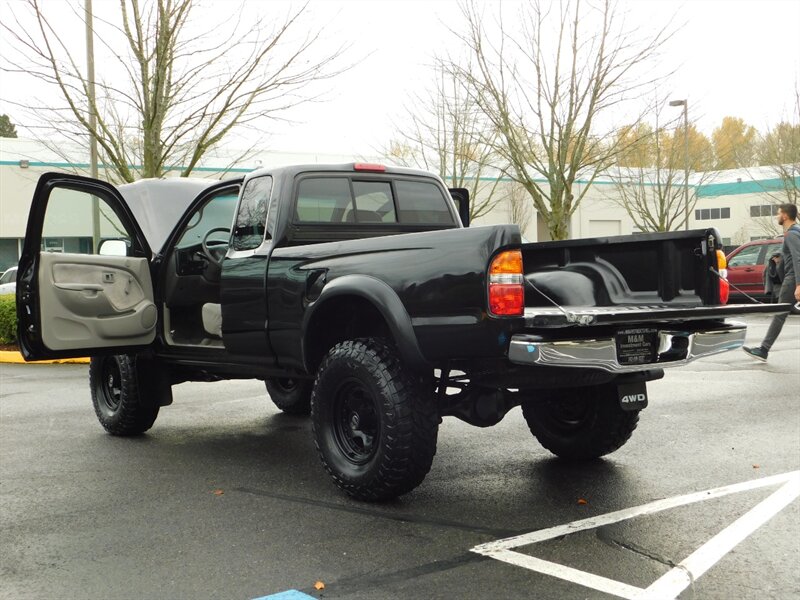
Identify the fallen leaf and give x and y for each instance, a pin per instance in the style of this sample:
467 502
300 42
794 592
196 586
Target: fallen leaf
582 501
218 492
319 586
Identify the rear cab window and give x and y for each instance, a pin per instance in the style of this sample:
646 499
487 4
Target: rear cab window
396 202
324 200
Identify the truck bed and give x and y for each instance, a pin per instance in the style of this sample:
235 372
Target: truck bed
649 270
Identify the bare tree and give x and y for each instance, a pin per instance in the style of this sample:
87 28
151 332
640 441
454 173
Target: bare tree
171 92
546 86
446 133
780 151
768 227
649 177
519 207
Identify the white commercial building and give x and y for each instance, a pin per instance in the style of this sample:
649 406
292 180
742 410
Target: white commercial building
739 203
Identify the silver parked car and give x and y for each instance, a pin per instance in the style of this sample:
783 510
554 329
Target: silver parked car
8 282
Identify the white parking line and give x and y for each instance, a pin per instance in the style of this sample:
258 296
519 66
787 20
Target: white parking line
706 556
678 578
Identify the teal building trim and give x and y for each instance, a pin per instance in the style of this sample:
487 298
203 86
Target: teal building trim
66 165
743 187
709 190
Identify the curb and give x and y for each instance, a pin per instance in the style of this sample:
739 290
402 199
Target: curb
14 357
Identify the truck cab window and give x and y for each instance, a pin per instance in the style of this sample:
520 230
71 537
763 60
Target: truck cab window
217 213
422 203
78 223
323 200
251 220
374 202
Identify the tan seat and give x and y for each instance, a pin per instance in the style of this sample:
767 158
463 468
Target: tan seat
212 319
364 216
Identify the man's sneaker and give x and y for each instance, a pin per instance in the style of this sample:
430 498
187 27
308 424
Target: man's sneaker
758 353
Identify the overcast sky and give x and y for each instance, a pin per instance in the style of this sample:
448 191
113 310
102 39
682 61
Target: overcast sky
732 58
738 58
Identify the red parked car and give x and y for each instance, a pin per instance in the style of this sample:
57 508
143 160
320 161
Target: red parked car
746 267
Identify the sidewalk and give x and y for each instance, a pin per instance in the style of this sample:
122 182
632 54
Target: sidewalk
14 357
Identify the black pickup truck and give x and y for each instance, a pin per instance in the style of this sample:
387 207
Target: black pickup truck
357 294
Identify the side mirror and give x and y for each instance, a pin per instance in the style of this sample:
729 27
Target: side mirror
461 198
113 248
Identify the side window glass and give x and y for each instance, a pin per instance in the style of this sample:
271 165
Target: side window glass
374 202
79 223
746 258
772 249
217 213
250 227
421 203
324 200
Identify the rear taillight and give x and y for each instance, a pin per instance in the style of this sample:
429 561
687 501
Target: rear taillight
507 285
722 269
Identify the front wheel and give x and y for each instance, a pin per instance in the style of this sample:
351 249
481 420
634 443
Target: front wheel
118 401
374 424
580 423
292 396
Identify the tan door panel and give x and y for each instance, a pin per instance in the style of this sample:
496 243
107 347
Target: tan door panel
93 301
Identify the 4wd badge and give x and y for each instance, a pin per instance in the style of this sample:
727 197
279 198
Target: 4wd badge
632 396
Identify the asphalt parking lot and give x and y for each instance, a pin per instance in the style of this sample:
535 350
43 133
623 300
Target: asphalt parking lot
225 498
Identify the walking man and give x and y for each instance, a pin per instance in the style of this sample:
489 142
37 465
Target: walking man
790 290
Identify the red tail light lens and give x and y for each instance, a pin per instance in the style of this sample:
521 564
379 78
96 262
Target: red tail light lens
507 285
724 286
724 291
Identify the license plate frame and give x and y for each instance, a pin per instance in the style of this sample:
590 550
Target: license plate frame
637 346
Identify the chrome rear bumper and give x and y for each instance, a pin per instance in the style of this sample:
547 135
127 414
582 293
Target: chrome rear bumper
675 348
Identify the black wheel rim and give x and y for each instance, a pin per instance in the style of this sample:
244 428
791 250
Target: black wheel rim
111 384
568 415
356 426
286 384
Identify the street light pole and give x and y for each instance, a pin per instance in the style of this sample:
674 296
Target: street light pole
685 104
92 122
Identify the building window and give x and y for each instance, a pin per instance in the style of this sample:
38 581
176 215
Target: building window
764 210
706 214
9 253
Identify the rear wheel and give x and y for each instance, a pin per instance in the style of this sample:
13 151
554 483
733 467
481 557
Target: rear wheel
374 424
292 396
118 403
580 423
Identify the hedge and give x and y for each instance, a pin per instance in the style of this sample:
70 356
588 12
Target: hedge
8 319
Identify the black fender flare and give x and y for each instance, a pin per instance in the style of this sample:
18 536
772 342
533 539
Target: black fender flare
388 304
